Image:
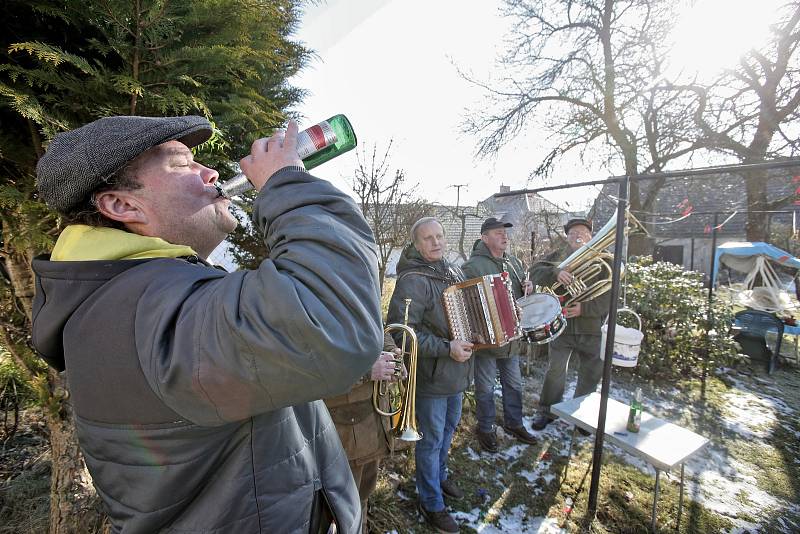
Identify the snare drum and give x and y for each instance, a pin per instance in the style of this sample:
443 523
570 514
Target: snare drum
542 319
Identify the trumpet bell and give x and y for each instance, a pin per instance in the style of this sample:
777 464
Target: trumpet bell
408 434
401 396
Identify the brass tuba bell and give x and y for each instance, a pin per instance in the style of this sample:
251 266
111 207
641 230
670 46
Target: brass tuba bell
590 266
400 395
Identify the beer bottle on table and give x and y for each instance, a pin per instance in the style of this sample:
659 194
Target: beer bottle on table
315 145
635 413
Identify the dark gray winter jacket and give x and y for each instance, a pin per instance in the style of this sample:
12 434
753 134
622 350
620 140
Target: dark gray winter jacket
438 375
194 389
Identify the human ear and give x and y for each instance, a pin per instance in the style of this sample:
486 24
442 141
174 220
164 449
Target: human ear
120 206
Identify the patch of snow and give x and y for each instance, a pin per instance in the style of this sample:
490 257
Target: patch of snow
753 409
513 452
540 469
470 517
515 520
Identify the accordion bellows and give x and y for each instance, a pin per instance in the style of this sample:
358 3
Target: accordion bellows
482 310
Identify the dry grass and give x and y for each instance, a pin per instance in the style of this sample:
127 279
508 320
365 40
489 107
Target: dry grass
531 479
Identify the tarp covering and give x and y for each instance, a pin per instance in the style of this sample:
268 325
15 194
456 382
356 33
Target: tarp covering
741 256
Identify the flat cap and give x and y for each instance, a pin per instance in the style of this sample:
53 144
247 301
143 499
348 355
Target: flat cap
491 223
578 221
79 161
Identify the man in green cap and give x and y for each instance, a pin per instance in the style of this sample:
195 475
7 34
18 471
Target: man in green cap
581 335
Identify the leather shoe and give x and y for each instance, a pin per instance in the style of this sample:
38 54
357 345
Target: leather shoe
452 490
541 420
487 441
441 521
521 434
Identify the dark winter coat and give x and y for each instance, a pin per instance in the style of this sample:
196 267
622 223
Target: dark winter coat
481 263
438 375
194 389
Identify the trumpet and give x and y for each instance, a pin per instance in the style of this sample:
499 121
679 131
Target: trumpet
400 394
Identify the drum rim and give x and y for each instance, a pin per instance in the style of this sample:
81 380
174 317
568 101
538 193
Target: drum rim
554 300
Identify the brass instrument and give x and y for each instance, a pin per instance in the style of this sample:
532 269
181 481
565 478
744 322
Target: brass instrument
401 395
591 266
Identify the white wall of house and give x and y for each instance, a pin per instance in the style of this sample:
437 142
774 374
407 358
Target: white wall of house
702 250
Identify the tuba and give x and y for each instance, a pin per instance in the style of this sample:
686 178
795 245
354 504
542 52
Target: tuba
591 266
400 394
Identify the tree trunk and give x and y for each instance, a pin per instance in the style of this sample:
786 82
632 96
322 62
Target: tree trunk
18 265
756 186
74 505
381 273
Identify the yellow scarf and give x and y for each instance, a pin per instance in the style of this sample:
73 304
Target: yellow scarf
79 242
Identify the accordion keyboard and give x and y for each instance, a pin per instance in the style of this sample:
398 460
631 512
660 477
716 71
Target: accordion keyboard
482 311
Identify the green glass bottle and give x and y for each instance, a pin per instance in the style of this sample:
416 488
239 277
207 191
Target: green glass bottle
315 145
635 413
326 140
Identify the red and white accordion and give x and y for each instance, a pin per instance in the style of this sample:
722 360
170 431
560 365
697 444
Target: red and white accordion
482 311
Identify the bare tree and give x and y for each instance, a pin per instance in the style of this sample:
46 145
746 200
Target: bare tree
462 214
387 202
537 232
585 71
751 112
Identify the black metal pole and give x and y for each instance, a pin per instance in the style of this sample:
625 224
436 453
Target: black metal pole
597 456
710 313
714 170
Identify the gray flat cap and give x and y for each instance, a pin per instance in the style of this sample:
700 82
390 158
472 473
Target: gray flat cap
79 161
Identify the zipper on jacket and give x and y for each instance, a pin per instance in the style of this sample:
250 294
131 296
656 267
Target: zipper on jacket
333 513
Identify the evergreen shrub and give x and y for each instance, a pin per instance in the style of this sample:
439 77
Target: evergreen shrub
673 304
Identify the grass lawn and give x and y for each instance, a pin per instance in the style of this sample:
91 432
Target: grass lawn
746 480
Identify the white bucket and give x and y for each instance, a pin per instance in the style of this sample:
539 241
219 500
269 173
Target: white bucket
627 342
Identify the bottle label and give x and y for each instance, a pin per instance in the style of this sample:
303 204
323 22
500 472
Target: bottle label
314 139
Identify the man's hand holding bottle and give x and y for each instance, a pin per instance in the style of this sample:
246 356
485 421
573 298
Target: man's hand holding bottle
268 155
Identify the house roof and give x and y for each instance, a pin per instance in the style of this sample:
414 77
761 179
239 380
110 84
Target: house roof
684 207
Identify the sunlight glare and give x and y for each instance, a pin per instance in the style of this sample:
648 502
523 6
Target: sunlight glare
711 35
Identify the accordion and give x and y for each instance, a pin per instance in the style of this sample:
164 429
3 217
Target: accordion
483 311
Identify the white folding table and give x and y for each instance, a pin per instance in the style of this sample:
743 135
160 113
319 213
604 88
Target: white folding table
662 444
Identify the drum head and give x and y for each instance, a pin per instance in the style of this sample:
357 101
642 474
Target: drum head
538 309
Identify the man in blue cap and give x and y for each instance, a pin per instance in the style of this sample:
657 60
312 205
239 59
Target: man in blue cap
489 256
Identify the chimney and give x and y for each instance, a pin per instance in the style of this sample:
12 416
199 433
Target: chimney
505 188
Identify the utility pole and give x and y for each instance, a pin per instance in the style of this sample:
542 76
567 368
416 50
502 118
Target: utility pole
461 216
458 193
